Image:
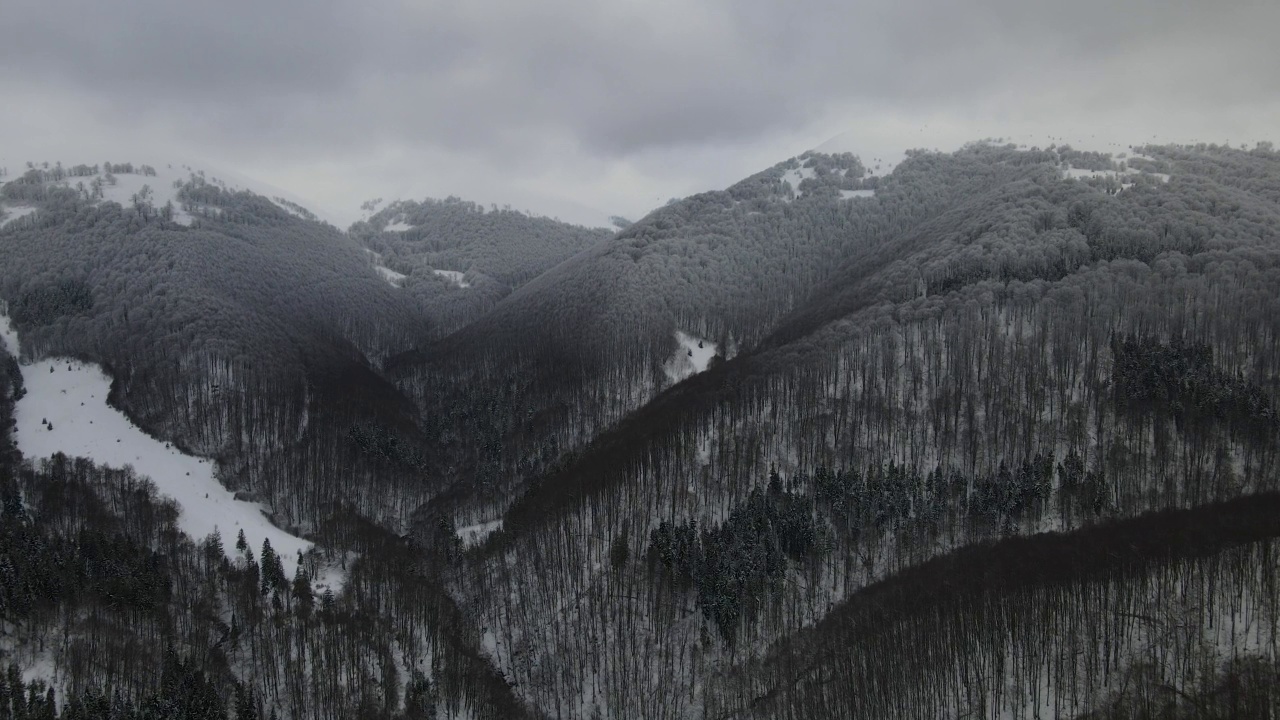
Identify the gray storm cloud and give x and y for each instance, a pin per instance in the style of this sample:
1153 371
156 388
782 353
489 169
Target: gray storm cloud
613 105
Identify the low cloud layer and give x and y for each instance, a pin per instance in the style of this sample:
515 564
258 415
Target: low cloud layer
614 106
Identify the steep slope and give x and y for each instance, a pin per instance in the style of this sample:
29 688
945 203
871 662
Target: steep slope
993 435
594 337
244 333
1041 350
238 330
113 608
458 259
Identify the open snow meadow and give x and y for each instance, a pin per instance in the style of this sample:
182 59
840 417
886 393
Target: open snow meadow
692 356
65 411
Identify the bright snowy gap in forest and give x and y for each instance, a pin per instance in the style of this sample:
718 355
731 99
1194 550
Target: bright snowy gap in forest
391 276
1074 173
397 226
454 276
692 356
161 186
9 336
14 212
850 194
798 175
72 397
472 535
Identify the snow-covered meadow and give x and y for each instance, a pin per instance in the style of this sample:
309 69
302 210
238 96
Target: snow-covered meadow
65 411
693 355
456 277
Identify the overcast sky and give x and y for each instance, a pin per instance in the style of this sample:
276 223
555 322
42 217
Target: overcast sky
570 106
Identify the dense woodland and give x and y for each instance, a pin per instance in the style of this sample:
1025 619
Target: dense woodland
142 621
250 335
983 439
1002 351
497 250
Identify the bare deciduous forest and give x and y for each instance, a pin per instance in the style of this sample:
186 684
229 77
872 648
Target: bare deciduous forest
980 438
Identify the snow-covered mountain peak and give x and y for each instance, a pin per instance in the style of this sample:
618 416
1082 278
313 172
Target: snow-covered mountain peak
152 186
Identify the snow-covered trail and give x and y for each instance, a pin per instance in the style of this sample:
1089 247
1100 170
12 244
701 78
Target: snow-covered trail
65 410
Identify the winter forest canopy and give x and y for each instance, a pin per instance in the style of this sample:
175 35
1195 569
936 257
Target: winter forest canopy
992 433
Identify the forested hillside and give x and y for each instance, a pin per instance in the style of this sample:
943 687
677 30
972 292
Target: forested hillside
458 259
242 332
111 611
995 434
1000 346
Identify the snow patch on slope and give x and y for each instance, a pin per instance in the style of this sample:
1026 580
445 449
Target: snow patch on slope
332 576
72 397
397 226
472 535
9 337
454 276
162 187
390 275
693 355
14 212
159 190
850 194
798 175
1073 173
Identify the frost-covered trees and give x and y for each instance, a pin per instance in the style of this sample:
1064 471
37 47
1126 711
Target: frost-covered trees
499 250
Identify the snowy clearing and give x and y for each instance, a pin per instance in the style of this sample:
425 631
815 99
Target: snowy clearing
454 277
1072 173
396 279
332 576
390 275
159 188
692 356
40 667
472 535
397 226
15 212
850 194
798 175
10 337
81 424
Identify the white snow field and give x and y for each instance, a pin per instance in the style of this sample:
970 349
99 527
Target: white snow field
692 356
65 410
397 226
454 276
850 194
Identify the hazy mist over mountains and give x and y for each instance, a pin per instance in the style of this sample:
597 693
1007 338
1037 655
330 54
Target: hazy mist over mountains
639 360
613 107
